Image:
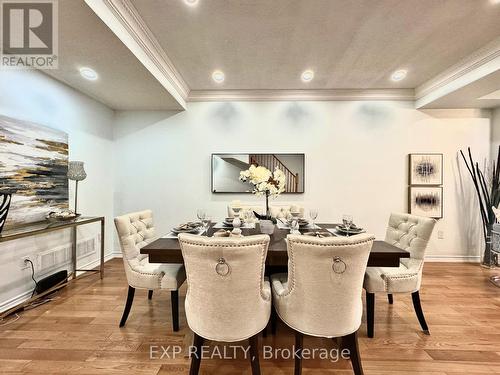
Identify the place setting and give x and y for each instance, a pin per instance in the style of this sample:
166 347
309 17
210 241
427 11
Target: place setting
347 228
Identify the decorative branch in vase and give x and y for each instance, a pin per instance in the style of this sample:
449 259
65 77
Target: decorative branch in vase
265 183
488 194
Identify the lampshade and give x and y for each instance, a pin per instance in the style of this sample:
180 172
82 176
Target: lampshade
76 171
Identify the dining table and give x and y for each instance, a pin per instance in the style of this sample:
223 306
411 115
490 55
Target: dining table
168 250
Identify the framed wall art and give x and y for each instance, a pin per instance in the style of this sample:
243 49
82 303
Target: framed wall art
426 201
426 169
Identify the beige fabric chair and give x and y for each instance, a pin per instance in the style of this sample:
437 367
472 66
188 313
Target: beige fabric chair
322 293
227 299
136 230
411 233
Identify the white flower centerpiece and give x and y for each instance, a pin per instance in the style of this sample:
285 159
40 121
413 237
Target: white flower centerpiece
265 182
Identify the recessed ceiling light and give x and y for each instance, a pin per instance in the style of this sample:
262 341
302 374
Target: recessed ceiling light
495 1
191 3
218 76
399 75
307 75
89 73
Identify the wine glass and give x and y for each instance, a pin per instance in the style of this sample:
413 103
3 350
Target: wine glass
201 214
347 220
206 220
313 214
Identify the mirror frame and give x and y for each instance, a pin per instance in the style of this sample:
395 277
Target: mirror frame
253 153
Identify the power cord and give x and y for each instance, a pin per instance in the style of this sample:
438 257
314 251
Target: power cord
32 275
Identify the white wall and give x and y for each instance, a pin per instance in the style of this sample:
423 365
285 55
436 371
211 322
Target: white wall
33 96
356 160
495 132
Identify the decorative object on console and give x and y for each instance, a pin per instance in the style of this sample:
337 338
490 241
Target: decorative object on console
34 167
65 215
488 195
4 208
426 201
265 183
76 172
426 169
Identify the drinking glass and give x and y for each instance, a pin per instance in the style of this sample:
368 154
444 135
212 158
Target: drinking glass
201 213
313 214
206 223
347 220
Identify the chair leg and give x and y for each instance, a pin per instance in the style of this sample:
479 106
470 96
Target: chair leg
415 296
390 298
174 300
128 305
254 354
150 294
370 313
299 339
274 320
196 355
351 343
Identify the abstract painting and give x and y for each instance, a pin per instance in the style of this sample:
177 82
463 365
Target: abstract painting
426 201
33 167
426 169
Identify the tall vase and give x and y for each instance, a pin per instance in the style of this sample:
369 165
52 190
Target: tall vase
5 199
488 259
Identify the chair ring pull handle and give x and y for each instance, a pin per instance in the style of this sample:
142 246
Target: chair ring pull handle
339 265
222 268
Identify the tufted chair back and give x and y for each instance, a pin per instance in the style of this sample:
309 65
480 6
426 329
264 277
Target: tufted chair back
410 233
227 298
135 230
322 295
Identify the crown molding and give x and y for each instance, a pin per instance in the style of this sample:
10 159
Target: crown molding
296 95
124 20
482 62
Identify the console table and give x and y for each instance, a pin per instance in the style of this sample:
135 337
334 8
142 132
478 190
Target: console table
44 227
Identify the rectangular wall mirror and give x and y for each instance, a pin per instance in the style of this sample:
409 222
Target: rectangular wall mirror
226 170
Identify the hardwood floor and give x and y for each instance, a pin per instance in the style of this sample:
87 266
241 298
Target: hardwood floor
78 332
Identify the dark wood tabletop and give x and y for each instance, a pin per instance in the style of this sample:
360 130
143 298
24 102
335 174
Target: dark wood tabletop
167 250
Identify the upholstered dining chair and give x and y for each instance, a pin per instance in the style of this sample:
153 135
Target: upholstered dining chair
322 293
411 233
228 298
136 230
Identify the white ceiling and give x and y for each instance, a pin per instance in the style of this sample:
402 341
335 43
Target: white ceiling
350 44
162 53
469 95
124 83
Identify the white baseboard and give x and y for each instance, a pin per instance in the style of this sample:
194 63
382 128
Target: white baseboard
10 303
454 258
4 306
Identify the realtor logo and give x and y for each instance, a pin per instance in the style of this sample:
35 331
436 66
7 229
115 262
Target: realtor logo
29 34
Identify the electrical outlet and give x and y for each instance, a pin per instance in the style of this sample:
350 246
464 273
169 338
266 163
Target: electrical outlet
440 235
24 262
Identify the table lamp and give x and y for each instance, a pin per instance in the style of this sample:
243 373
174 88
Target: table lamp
76 172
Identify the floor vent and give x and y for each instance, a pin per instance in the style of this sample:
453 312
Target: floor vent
60 256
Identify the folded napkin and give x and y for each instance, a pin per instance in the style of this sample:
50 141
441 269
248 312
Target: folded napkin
243 226
335 232
188 225
225 233
320 234
173 235
282 225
